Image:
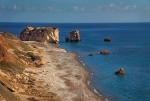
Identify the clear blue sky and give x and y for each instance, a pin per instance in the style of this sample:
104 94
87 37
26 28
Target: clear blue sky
75 11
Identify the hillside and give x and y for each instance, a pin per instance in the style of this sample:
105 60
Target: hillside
37 71
15 57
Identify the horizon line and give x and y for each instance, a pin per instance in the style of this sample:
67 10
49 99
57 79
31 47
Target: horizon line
75 22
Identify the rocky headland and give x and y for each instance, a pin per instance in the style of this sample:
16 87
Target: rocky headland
40 34
32 70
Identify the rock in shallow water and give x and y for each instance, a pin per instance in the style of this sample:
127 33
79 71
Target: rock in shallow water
120 71
107 39
104 52
90 54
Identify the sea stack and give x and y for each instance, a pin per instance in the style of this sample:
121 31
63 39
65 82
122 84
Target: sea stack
120 71
74 36
40 34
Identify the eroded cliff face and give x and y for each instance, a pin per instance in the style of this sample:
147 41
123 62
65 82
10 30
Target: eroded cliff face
14 53
15 57
10 48
40 34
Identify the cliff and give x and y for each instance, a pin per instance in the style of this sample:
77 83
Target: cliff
15 52
40 34
15 57
10 50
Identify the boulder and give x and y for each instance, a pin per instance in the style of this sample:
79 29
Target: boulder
104 52
74 36
107 39
120 71
40 34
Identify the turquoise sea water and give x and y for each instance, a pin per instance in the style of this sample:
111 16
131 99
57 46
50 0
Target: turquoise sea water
129 48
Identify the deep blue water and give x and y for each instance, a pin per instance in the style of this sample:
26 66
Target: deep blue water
130 49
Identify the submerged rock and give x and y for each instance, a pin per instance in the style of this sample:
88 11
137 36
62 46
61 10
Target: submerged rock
107 39
90 54
104 52
40 34
74 36
67 39
120 71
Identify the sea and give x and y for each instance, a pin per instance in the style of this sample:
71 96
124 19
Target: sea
130 49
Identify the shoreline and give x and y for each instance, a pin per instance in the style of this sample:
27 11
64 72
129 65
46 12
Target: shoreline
89 77
76 78
61 77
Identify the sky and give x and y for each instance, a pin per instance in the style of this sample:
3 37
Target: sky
75 11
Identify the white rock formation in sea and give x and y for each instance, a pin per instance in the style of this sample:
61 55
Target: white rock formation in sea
40 34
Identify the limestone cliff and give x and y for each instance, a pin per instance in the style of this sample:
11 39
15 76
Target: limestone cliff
40 34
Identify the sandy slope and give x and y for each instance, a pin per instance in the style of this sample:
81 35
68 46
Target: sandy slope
61 78
63 75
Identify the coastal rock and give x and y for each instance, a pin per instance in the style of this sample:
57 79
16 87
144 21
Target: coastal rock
104 52
40 34
107 39
90 54
120 71
74 36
